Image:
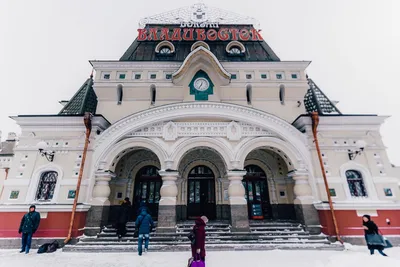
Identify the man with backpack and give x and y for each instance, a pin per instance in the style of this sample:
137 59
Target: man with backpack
29 224
144 223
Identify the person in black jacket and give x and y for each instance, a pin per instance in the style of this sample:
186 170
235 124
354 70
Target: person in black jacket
371 228
123 217
29 224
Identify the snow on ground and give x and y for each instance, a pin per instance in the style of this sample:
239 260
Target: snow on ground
352 256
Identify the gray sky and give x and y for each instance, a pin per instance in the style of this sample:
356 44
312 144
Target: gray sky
354 46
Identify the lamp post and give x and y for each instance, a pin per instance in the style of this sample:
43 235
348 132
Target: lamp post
42 146
360 146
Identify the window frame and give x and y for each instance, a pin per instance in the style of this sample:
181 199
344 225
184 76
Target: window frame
39 184
352 186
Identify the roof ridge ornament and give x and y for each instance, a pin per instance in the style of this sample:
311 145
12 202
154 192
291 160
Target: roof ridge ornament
199 13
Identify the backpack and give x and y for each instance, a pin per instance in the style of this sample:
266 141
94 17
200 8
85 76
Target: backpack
48 247
192 236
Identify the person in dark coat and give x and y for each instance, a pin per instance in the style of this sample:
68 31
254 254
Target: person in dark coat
199 246
145 224
29 224
123 217
371 228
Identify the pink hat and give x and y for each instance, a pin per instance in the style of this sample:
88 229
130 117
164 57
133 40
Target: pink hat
204 218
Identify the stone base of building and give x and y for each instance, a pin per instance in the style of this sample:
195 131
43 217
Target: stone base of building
53 224
166 219
15 243
308 216
97 217
239 218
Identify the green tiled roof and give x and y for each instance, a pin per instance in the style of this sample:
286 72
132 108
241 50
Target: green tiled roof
316 101
85 100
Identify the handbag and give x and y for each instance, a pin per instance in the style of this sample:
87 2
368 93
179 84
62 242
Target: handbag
136 232
375 240
387 243
197 262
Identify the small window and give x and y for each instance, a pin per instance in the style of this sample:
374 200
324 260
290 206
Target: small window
282 94
165 50
119 195
168 76
138 76
106 76
279 76
47 185
282 193
248 94
122 76
233 76
153 76
249 76
153 93
264 76
356 183
294 76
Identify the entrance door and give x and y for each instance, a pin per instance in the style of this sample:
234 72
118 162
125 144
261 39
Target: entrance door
201 193
147 190
257 194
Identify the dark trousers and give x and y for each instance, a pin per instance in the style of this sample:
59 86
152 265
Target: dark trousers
121 229
379 250
26 242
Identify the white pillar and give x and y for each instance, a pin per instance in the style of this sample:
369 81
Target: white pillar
101 189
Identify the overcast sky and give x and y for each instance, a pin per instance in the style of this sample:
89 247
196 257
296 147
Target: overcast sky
354 46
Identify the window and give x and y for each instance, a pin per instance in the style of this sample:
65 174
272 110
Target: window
168 76
120 94
153 94
122 76
165 50
294 76
153 76
356 183
106 76
248 94
47 185
138 76
235 51
233 76
282 94
279 76
264 76
249 76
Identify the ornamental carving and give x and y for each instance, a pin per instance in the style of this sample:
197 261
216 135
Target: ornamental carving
170 131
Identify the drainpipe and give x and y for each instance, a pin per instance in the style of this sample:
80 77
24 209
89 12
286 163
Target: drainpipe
315 122
87 119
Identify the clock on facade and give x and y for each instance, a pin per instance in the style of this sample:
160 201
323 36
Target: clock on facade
201 84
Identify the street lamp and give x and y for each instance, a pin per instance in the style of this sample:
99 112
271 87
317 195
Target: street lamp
42 146
360 146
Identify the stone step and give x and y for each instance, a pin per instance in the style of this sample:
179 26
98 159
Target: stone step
208 233
210 238
215 247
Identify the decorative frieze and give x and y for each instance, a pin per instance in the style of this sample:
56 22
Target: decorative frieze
170 131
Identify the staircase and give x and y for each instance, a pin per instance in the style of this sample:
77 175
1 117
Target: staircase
262 236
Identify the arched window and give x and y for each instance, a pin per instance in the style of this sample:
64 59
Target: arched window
282 94
153 94
120 93
356 183
235 51
248 94
47 185
165 50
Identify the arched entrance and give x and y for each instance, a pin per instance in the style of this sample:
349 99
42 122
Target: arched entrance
147 189
257 193
201 193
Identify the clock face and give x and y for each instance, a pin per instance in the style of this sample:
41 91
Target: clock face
201 84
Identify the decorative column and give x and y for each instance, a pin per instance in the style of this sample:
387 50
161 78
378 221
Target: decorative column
97 216
306 213
237 201
167 205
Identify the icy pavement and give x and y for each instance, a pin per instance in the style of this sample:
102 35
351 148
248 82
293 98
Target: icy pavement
352 256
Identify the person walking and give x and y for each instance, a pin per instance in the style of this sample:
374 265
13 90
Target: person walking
144 223
199 230
123 217
370 228
29 224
